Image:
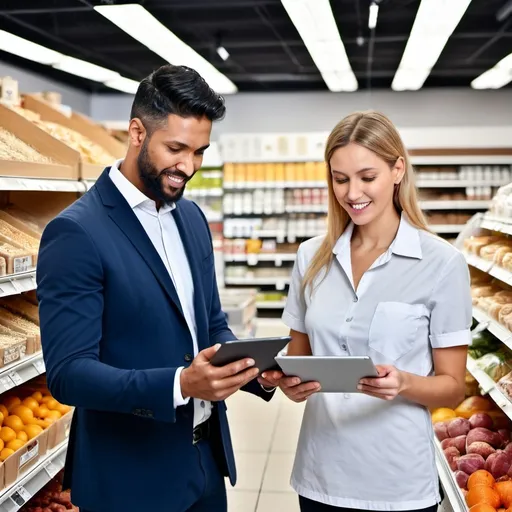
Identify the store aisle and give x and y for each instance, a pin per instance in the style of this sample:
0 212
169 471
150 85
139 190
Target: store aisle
264 437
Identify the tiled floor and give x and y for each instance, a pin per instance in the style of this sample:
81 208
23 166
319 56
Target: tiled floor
264 438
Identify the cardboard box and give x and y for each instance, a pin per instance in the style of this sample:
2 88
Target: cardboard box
9 93
59 431
13 353
25 458
68 159
31 262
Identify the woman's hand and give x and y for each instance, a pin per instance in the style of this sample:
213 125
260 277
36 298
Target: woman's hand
387 386
292 387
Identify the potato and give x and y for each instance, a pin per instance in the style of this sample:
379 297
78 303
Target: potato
481 448
458 427
485 435
482 420
452 455
462 479
500 465
441 430
470 463
457 442
505 436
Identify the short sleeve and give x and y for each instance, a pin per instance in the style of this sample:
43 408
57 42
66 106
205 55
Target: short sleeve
451 306
295 310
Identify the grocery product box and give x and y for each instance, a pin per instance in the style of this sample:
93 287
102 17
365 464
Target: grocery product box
66 159
9 93
12 353
25 458
59 431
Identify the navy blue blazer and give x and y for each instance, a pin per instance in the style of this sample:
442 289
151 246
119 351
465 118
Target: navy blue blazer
113 335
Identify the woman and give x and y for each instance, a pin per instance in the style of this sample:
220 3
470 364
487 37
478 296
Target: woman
378 284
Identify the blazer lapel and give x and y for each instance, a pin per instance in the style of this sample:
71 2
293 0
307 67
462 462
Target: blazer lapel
191 245
121 213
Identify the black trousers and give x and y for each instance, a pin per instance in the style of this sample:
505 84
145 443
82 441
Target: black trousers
307 505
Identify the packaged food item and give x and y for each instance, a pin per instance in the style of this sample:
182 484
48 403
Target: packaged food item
15 304
496 364
505 384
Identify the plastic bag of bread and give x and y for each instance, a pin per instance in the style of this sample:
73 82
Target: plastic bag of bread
501 253
506 311
496 364
507 261
488 252
505 384
474 244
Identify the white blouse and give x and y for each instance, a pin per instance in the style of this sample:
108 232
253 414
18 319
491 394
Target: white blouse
357 451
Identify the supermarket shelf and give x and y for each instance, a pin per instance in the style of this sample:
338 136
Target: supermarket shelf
497 224
494 327
254 259
454 205
14 284
214 216
489 387
306 208
458 183
21 371
278 282
271 304
451 489
462 160
488 266
204 192
34 480
446 228
48 185
257 185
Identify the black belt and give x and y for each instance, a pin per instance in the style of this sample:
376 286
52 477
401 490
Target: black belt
201 432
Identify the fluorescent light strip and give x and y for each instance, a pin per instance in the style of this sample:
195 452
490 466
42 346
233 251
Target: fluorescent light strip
137 22
315 24
15 45
434 24
374 14
496 77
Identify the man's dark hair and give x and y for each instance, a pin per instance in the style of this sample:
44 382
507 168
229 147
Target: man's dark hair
175 90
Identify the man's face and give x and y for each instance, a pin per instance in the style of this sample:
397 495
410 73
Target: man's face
171 156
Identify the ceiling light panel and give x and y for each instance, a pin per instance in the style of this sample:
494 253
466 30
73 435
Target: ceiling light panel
137 22
317 27
434 24
22 48
496 77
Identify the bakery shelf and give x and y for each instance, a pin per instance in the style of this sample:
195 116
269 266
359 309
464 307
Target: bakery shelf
278 282
21 371
254 259
271 304
494 327
47 185
489 387
451 489
13 284
497 224
34 480
427 183
446 228
490 267
454 205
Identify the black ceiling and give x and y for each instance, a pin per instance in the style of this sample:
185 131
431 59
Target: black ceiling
267 54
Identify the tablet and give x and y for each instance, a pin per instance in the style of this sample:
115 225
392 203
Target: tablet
335 374
262 350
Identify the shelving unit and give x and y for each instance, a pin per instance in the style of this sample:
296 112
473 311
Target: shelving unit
14 284
453 493
21 371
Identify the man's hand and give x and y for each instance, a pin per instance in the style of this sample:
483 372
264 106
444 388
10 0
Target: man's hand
207 382
387 386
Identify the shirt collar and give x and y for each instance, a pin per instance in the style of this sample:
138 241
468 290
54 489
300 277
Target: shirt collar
134 197
406 243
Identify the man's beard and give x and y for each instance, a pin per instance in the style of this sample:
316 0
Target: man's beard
152 179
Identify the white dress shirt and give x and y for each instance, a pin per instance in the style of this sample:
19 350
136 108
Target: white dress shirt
161 229
356 451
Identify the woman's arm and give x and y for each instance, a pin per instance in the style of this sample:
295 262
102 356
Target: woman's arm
299 345
444 389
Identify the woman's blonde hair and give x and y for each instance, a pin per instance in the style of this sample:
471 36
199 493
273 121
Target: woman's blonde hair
374 131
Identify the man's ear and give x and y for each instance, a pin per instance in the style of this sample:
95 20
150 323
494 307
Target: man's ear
136 132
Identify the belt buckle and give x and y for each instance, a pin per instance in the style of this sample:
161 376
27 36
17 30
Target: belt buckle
202 431
196 435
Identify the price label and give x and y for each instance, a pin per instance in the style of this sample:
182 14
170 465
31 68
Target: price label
252 259
278 262
280 285
291 239
6 383
51 469
280 238
20 496
40 366
16 378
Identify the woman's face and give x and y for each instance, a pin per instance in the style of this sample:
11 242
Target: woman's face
363 183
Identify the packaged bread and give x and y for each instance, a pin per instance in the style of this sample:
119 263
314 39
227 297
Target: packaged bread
23 326
15 304
505 311
507 262
488 252
30 342
15 259
483 291
17 237
12 348
473 244
501 253
494 305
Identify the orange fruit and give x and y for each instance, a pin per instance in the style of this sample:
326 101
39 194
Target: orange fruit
2 445
481 477
24 413
6 452
52 404
12 401
63 409
22 435
1 419
30 402
4 410
483 507
504 489
14 422
41 411
38 396
56 415
483 494
46 399
7 434
33 430
15 445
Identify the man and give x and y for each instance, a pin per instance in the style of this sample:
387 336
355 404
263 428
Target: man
130 318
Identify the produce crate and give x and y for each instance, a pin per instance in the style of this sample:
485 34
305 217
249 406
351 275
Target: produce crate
59 431
67 166
239 305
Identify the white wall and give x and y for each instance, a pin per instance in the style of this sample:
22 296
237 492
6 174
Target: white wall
319 111
31 82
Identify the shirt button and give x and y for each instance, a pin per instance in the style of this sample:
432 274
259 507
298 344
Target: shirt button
203 405
349 319
356 299
188 358
344 347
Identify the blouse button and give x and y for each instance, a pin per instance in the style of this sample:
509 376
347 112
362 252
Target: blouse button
344 347
349 319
